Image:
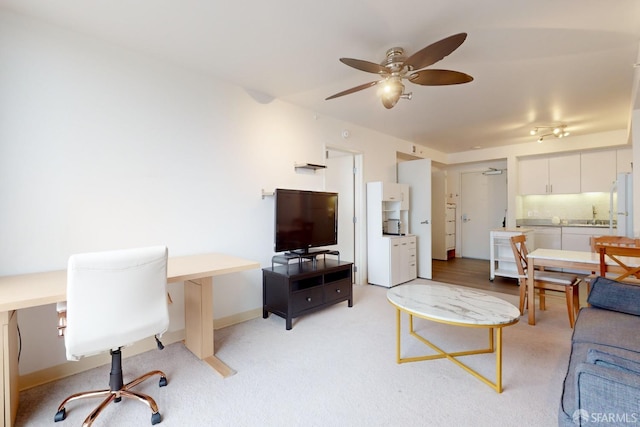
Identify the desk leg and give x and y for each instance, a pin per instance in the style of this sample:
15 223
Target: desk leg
198 311
9 366
531 294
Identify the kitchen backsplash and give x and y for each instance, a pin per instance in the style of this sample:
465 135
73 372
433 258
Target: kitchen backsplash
565 206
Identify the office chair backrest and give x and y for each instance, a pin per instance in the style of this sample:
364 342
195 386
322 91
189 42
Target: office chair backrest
114 299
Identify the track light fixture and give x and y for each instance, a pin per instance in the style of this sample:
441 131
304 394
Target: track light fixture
559 131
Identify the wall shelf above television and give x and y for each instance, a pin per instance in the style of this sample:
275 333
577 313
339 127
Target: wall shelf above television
311 166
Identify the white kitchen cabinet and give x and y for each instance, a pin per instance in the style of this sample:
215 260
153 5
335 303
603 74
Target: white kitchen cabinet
547 238
392 192
533 176
579 238
564 174
503 262
597 171
549 175
402 259
391 259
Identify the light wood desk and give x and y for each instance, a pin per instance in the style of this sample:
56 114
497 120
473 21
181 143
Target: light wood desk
31 290
574 260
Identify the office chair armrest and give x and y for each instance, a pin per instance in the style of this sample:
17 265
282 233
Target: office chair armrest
61 308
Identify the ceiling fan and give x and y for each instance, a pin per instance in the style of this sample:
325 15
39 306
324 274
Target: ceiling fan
397 67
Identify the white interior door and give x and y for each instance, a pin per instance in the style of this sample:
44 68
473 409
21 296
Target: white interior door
339 178
417 173
483 206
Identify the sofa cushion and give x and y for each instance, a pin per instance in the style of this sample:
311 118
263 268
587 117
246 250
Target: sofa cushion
580 353
606 396
617 296
610 328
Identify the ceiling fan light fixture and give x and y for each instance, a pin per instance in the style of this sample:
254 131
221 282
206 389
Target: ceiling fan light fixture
391 92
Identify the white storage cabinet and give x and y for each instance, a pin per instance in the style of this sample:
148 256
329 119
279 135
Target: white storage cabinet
391 259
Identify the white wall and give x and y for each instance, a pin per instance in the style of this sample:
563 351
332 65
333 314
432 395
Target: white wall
103 148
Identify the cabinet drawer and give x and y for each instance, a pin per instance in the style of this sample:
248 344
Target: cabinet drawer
309 298
337 290
411 256
450 227
450 241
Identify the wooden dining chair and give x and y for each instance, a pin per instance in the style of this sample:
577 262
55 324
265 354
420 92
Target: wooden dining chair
626 263
613 241
545 280
599 241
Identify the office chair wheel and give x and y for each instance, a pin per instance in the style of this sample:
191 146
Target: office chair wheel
155 418
163 381
60 415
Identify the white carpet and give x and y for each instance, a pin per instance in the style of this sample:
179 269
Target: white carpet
336 367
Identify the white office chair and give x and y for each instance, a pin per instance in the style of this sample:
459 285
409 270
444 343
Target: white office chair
114 299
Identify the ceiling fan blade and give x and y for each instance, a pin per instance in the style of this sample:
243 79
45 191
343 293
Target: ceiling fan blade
369 67
439 77
435 52
353 89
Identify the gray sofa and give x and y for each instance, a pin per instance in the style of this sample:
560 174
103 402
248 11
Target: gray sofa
602 384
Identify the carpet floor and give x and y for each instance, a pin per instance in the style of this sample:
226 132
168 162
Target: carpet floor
336 367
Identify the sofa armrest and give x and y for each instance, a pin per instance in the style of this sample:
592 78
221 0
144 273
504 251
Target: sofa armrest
606 394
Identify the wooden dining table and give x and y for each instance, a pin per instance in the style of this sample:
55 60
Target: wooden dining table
587 262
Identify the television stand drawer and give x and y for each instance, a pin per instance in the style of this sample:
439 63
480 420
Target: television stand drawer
337 290
307 299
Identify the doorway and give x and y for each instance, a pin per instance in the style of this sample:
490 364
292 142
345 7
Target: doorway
483 206
343 175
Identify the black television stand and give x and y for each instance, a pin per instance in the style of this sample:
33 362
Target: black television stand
291 290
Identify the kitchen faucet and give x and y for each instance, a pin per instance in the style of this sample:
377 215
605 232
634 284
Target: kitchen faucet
594 212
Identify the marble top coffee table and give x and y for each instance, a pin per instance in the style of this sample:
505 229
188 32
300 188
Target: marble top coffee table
459 306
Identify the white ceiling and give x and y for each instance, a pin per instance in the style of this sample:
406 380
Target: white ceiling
534 62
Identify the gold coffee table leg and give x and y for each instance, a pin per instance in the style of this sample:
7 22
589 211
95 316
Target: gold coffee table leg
497 348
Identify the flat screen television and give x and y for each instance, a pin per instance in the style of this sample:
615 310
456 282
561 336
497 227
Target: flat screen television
305 220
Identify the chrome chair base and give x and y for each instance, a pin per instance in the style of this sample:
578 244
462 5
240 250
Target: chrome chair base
115 393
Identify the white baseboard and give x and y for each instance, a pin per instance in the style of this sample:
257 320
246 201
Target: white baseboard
66 369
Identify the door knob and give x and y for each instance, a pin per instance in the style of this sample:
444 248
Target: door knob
426 221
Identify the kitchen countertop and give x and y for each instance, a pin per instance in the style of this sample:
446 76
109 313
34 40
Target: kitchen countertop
518 229
600 223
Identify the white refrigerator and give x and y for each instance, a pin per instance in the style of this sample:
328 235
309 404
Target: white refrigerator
621 205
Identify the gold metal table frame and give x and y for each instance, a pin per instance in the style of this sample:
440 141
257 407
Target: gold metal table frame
452 356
